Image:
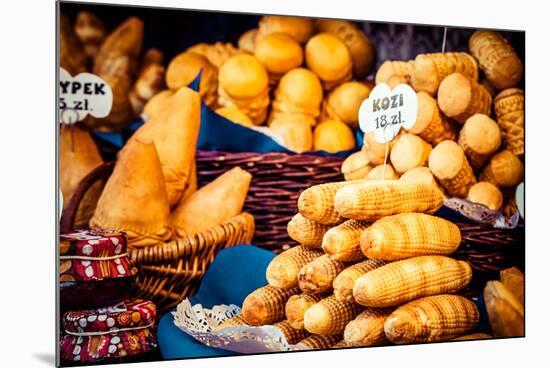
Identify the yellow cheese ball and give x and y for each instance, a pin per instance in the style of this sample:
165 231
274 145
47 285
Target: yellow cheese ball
234 114
333 136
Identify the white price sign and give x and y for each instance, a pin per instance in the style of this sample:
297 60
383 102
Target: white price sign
386 111
81 95
519 199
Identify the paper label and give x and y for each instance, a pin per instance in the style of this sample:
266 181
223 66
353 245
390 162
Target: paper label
519 199
81 95
386 111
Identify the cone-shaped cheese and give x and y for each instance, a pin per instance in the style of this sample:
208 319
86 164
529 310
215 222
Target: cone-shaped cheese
126 39
175 130
78 155
134 199
213 204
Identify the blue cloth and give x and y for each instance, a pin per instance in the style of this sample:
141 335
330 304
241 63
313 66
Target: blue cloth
234 274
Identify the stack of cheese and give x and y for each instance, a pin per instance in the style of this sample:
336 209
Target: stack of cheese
292 74
505 303
116 57
372 267
152 193
456 141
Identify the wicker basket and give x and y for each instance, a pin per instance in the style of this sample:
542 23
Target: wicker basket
489 250
170 271
277 180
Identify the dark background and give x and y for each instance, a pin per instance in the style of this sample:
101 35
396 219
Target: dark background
173 30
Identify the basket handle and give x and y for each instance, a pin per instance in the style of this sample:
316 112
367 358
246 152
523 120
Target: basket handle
69 213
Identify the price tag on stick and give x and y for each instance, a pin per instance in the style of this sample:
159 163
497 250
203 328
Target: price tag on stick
81 95
386 111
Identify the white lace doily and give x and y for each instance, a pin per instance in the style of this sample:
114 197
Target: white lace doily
199 322
482 214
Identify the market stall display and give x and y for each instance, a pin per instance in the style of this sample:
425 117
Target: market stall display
257 139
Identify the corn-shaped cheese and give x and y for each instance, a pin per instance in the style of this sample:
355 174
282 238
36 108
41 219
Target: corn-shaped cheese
356 166
371 200
486 194
318 275
497 59
421 175
450 166
341 242
266 305
343 283
430 69
376 151
514 280
329 316
459 98
291 334
297 305
316 342
382 172
408 235
306 232
390 69
474 336
340 345
480 137
317 203
505 311
431 125
238 320
409 151
282 271
402 281
434 318
367 329
504 169
510 112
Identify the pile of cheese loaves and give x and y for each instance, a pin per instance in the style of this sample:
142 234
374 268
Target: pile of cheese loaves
372 267
152 193
116 57
303 78
468 138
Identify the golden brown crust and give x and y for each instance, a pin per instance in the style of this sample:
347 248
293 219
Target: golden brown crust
301 29
509 109
211 205
360 47
487 194
333 136
367 329
429 70
121 204
409 151
504 169
78 156
325 47
180 116
282 271
506 313
459 98
497 59
266 305
451 168
279 53
330 316
480 137
431 125
430 319
402 281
